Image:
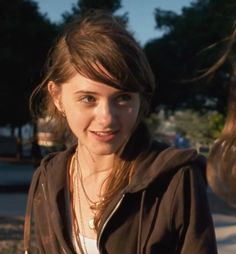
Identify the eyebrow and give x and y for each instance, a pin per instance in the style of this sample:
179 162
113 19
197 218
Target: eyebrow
97 93
86 92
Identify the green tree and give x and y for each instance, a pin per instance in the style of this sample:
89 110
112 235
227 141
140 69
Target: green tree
26 36
84 5
199 128
183 52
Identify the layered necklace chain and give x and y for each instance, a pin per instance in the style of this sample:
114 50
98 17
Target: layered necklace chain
78 184
93 205
75 223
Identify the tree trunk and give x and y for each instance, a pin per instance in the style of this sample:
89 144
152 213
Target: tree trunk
35 149
19 143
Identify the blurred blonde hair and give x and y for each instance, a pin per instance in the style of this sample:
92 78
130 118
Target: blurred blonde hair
221 166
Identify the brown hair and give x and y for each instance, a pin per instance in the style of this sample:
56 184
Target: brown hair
89 45
221 166
98 39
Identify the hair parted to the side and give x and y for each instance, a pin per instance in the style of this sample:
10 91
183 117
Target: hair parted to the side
99 47
96 42
221 166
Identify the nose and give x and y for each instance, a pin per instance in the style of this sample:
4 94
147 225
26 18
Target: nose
106 114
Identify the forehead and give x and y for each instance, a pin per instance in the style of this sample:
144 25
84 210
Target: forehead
80 83
95 71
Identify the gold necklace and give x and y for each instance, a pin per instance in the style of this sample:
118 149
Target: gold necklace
75 224
92 204
82 224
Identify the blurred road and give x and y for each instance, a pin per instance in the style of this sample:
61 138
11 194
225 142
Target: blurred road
14 174
225 227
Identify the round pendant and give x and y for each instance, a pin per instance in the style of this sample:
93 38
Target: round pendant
91 224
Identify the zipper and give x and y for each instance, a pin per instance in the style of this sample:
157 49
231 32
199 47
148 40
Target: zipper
44 192
109 217
63 249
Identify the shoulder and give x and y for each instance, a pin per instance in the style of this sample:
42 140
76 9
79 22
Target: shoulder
163 164
53 166
171 159
56 159
182 167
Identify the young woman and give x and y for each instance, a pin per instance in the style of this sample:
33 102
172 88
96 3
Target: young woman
116 190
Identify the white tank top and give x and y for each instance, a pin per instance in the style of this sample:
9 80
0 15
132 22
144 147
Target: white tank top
89 245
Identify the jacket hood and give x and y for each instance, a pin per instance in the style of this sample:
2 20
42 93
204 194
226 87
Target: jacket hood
54 166
57 162
163 162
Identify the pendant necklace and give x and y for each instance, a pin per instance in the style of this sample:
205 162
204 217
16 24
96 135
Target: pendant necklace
92 204
75 224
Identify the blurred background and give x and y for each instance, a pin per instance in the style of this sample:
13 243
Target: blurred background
181 39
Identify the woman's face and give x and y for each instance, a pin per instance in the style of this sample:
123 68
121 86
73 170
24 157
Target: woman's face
101 117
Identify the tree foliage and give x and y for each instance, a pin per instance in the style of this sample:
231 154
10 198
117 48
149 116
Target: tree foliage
84 5
190 124
26 36
199 128
186 50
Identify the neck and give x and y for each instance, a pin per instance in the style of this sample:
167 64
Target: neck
93 165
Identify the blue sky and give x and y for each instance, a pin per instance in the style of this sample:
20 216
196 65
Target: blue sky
141 18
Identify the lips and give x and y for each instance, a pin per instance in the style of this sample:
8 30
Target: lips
104 135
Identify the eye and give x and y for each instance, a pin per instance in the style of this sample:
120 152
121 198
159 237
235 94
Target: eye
124 99
88 99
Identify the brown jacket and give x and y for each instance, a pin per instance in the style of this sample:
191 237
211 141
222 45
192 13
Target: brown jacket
164 209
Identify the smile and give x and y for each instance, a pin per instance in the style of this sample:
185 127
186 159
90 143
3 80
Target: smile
104 135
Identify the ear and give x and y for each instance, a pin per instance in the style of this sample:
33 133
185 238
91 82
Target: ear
55 92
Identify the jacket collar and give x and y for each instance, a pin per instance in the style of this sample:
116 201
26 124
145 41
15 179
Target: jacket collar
58 164
161 163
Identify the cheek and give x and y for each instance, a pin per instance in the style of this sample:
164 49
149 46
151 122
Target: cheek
76 118
131 117
77 124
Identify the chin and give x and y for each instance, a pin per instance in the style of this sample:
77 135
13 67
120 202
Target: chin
105 150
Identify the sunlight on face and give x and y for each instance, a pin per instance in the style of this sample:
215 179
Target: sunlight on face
100 116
